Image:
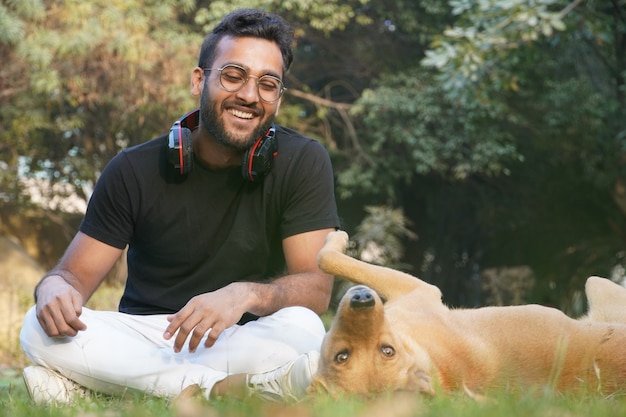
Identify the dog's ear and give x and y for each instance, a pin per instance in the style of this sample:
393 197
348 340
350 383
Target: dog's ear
606 300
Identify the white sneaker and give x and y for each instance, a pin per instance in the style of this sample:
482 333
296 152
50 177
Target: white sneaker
288 382
47 387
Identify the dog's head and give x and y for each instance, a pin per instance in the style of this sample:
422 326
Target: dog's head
362 355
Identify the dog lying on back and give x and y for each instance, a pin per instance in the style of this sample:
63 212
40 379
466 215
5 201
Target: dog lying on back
413 342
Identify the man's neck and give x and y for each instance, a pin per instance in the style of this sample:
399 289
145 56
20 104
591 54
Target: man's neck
212 154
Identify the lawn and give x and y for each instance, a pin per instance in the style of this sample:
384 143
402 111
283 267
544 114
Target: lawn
14 402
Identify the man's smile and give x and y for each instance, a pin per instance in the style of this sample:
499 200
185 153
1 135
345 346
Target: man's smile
240 114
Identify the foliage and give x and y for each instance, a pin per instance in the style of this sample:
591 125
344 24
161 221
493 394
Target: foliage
326 17
476 49
496 127
378 238
436 136
95 77
565 87
511 130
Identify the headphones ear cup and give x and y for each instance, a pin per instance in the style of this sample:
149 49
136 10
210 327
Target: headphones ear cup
180 149
257 161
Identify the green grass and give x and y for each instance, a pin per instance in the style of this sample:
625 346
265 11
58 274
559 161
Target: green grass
14 402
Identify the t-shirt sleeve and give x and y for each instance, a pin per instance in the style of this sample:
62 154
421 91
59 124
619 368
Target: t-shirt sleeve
310 194
109 217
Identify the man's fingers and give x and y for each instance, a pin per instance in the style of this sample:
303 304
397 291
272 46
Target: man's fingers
176 320
214 333
59 309
193 328
65 321
183 324
76 323
57 323
171 329
194 321
196 336
47 324
73 324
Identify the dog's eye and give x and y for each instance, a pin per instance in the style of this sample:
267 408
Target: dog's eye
388 351
342 356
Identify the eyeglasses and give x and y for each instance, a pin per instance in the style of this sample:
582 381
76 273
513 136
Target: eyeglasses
233 78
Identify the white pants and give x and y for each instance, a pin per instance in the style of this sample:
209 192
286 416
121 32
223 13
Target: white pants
119 351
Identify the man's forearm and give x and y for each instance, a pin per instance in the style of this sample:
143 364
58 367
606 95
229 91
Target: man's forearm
307 289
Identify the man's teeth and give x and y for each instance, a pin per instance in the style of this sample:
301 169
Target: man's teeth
241 114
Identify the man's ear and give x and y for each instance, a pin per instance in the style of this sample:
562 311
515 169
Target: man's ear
197 78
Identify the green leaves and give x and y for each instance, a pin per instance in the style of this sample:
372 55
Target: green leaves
410 128
474 50
12 16
89 79
325 16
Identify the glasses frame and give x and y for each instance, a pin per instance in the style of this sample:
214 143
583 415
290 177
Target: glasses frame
281 91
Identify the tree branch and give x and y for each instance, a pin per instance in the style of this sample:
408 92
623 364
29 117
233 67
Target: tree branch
569 8
319 100
343 110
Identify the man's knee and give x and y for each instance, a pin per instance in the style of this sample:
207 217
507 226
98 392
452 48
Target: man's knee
30 333
302 318
40 348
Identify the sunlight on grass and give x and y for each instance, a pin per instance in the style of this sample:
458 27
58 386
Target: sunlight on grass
14 402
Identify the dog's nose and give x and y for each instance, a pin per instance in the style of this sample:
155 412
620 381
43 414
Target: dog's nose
362 298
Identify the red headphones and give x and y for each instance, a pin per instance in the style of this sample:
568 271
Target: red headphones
256 162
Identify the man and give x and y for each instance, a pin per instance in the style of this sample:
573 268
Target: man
223 219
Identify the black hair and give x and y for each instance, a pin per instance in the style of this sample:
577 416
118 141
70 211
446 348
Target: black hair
249 23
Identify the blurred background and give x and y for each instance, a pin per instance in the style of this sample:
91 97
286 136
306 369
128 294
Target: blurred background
477 144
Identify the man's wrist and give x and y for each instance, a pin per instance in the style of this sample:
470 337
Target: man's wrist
56 273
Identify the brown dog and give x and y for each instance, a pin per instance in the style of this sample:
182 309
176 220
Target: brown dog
414 342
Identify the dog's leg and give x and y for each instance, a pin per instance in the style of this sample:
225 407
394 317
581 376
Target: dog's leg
387 282
607 300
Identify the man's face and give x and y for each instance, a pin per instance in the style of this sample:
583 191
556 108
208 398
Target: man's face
236 119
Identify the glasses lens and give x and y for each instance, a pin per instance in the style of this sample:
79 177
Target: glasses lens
270 88
233 77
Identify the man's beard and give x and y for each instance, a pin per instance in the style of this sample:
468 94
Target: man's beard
215 126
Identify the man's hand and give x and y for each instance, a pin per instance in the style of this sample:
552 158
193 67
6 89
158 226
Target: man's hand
210 312
304 285
60 294
59 306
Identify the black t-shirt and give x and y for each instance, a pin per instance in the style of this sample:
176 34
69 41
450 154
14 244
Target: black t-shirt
194 234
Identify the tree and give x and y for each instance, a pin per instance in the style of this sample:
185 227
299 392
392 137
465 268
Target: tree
97 78
83 80
87 79
523 127
493 130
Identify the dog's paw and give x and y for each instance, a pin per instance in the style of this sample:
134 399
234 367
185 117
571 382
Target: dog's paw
337 240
